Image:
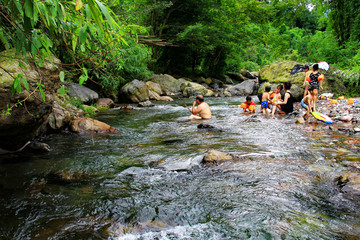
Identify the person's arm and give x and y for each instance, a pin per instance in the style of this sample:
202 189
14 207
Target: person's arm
287 95
195 110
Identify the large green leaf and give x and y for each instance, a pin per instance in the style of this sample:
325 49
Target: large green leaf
29 8
105 12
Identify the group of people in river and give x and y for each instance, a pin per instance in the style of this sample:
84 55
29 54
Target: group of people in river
273 101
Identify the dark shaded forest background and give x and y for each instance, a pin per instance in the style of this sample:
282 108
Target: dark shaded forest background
113 42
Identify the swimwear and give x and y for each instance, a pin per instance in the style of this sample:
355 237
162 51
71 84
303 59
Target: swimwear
264 104
289 106
303 104
314 80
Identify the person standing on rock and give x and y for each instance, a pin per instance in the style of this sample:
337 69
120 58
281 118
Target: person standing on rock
202 109
306 83
315 80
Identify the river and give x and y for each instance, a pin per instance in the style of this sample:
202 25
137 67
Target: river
148 182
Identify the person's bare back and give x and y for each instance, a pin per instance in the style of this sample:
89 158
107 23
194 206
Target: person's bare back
204 110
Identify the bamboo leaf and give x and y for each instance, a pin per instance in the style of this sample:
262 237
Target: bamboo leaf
105 12
95 13
62 76
3 39
42 93
25 83
16 86
29 8
82 34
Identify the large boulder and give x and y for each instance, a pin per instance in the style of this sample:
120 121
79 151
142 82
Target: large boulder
248 87
87 125
190 89
155 87
26 119
135 91
169 85
82 93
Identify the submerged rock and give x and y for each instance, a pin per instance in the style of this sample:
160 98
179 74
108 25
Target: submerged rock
214 156
87 125
349 185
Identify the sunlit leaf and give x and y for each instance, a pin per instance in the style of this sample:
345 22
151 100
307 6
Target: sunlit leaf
79 5
25 83
62 91
62 76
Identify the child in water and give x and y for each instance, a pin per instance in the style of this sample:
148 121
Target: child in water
265 99
248 104
306 103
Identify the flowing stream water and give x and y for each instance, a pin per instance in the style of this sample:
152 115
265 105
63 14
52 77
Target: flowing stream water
148 181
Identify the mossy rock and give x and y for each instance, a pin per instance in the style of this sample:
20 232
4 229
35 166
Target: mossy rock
279 72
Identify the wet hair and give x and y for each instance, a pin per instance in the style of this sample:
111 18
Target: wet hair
287 85
248 98
316 67
280 86
306 67
200 98
267 89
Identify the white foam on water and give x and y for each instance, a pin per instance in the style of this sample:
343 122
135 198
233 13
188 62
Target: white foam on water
199 231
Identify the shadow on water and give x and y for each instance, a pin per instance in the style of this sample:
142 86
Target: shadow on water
147 181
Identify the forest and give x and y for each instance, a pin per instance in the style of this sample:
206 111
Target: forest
109 43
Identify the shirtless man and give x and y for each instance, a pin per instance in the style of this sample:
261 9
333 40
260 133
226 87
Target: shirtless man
202 109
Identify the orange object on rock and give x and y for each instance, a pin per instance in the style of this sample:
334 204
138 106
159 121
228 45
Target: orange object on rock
341 98
350 101
332 102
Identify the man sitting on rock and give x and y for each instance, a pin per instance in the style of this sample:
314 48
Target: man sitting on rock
202 109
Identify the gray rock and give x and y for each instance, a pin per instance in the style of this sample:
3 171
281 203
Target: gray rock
146 104
83 93
245 88
135 91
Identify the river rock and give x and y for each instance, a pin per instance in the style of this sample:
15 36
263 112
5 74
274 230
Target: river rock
236 77
38 147
300 120
135 91
105 102
214 156
165 99
248 87
349 185
247 74
169 84
82 93
346 118
190 89
87 125
155 87
25 121
145 104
